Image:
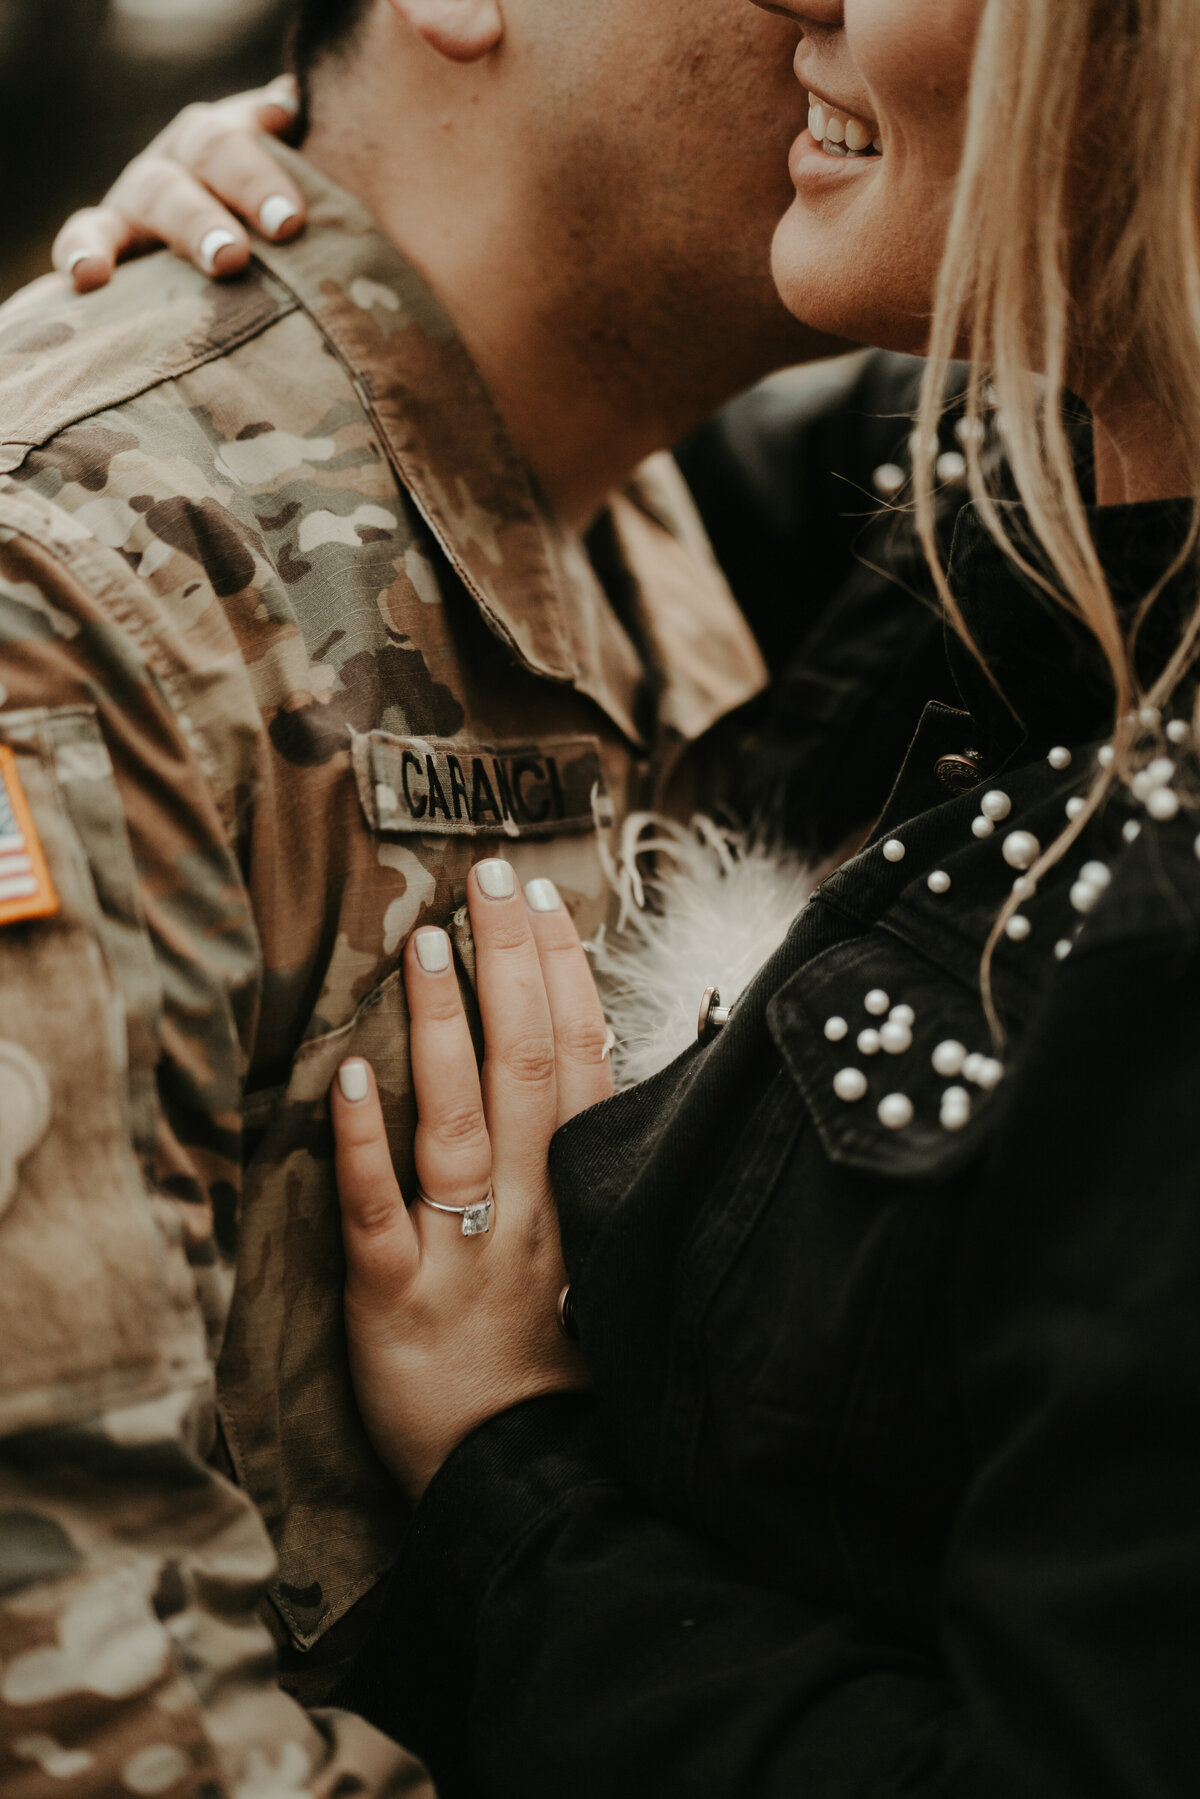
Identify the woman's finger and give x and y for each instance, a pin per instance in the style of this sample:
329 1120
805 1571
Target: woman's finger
163 202
90 245
453 1153
518 1065
277 106
222 147
583 1073
381 1244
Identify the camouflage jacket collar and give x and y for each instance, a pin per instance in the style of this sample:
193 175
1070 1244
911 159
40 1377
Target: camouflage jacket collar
448 445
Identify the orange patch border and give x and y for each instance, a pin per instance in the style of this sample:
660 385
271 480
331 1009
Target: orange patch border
45 902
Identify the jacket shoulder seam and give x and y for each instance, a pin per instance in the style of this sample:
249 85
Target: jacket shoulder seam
13 451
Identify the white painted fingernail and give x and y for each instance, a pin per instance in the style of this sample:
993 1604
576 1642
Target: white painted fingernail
352 1079
542 896
274 213
285 98
79 256
433 950
211 246
496 878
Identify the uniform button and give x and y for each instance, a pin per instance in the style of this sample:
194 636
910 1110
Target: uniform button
960 772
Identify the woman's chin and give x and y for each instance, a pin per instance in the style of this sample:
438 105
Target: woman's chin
844 295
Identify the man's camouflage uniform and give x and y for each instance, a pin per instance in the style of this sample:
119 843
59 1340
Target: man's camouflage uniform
287 642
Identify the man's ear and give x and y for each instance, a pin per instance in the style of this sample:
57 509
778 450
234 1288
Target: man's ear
460 30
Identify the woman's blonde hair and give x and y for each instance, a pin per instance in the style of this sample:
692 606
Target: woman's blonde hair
1074 244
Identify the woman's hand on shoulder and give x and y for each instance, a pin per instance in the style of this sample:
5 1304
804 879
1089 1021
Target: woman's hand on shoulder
447 1329
203 174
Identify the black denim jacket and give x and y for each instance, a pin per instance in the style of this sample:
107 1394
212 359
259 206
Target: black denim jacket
891 1481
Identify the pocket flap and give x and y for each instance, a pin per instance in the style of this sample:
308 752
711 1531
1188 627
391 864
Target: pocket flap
916 1137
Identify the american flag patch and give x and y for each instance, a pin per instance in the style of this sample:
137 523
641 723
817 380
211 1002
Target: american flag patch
26 890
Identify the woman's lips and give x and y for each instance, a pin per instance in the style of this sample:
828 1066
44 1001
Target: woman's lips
813 166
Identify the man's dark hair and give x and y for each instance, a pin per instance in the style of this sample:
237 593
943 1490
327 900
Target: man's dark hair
321 28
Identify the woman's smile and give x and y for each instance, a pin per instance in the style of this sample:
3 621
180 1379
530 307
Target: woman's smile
873 182
839 132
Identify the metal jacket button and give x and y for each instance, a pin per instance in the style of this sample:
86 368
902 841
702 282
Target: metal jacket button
960 772
713 1015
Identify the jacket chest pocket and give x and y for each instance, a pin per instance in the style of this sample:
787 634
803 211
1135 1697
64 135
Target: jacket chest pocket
893 1056
285 1395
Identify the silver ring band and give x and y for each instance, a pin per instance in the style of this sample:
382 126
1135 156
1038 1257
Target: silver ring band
476 1218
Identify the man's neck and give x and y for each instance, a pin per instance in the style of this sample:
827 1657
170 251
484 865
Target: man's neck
585 388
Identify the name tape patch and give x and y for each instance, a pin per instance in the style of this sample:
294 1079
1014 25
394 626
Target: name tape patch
26 890
451 787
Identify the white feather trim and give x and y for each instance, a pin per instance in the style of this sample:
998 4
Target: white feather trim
711 914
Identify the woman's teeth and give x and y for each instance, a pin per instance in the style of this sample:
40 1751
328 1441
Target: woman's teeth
840 133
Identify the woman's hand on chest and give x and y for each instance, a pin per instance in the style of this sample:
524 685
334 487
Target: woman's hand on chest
452 1306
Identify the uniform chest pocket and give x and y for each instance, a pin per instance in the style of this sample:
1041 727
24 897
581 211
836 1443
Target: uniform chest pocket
84 1309
893 1056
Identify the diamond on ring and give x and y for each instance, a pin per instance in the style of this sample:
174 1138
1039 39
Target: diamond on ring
476 1218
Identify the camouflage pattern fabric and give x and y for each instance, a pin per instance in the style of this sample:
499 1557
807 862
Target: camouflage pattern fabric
287 641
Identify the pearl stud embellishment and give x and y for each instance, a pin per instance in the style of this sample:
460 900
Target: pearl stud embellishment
939 881
1163 804
948 1059
1021 849
896 1111
836 1029
877 1002
956 1109
894 850
850 1084
995 805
